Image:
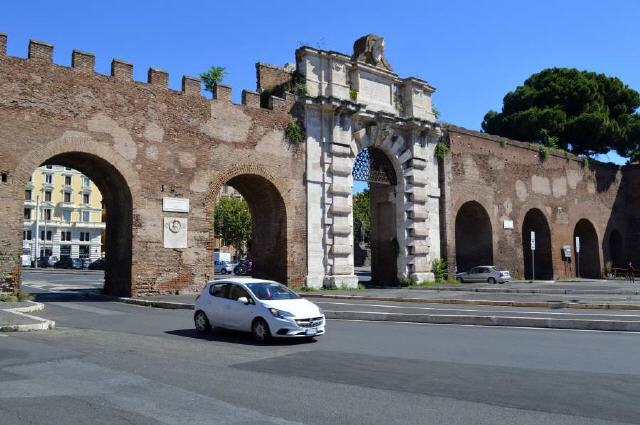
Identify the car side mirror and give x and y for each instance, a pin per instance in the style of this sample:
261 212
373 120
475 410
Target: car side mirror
243 300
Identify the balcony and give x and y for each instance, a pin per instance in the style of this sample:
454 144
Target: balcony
89 225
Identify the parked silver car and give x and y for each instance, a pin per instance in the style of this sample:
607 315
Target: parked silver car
222 267
489 274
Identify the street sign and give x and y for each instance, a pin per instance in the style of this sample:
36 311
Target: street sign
566 249
533 241
578 244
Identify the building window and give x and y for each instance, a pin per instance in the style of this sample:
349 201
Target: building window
48 178
42 234
84 251
86 216
65 236
85 198
85 237
67 197
26 235
47 196
86 182
27 195
66 216
65 251
27 213
67 180
47 213
49 167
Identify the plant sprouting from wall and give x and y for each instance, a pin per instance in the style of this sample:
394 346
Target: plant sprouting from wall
294 133
436 112
353 94
213 77
441 149
439 270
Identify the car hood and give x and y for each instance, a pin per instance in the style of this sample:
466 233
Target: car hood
300 308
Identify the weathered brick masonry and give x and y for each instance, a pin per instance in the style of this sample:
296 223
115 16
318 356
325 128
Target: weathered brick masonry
508 179
140 142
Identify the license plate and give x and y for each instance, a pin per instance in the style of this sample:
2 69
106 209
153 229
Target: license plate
311 331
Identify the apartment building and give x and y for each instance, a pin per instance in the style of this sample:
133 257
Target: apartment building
69 222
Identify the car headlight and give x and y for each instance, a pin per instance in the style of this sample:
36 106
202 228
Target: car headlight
280 313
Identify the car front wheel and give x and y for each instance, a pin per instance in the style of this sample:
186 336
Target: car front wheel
202 322
260 330
492 281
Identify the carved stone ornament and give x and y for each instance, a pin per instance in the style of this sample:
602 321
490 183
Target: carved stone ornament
370 49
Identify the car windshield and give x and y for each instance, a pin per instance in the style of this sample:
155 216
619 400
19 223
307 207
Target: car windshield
271 291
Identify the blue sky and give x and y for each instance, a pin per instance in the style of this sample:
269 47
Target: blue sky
473 52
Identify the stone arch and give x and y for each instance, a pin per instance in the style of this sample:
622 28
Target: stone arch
616 249
266 196
474 236
121 190
588 262
535 220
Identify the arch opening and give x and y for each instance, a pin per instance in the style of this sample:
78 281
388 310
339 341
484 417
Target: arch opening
588 259
267 246
75 221
542 265
374 218
474 238
616 250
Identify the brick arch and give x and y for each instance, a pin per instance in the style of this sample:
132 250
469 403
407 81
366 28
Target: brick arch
119 185
589 264
269 203
474 238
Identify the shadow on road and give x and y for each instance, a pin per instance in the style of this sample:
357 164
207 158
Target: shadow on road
235 337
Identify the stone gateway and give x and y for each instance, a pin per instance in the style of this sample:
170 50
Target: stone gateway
146 146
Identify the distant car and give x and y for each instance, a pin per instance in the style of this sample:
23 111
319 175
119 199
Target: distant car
222 267
69 263
86 262
262 307
244 267
97 265
47 261
489 274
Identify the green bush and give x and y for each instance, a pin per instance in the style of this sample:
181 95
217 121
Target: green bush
353 94
442 150
439 270
294 133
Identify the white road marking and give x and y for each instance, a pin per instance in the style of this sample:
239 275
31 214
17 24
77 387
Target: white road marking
488 310
530 328
89 309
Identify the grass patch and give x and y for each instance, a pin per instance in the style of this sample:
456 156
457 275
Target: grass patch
7 297
307 289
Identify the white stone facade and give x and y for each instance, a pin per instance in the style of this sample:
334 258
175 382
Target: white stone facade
351 105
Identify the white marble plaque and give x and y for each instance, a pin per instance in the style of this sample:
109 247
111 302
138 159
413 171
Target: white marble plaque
175 204
175 232
508 224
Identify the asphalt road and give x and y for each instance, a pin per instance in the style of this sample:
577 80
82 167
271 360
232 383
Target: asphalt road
111 363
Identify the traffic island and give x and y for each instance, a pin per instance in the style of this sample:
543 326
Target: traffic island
15 317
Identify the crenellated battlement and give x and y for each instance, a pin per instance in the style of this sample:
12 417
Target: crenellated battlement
84 62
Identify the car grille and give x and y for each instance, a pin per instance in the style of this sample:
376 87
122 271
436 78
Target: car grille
313 322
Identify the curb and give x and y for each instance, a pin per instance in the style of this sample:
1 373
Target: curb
549 291
42 325
531 304
61 271
517 322
450 319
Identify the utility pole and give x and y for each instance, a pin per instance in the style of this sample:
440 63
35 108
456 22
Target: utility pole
533 256
577 256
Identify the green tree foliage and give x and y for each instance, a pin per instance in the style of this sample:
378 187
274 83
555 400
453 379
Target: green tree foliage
362 215
212 77
588 113
232 222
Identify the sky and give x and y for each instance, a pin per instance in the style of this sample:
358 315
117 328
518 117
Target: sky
473 52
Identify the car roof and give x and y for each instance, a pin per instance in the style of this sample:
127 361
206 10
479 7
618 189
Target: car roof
244 280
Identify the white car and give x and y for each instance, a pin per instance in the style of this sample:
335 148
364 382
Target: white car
262 307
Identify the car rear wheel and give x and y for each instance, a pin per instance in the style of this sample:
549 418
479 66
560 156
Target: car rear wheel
260 330
202 322
492 281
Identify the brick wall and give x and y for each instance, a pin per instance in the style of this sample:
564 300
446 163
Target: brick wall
140 142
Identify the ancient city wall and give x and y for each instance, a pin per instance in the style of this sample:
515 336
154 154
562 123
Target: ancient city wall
509 178
141 142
